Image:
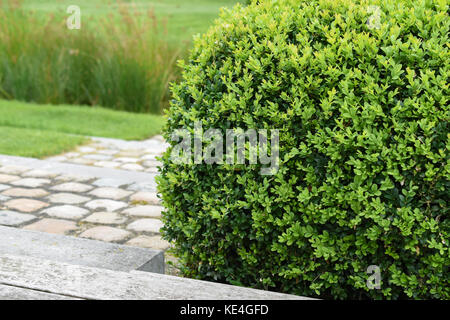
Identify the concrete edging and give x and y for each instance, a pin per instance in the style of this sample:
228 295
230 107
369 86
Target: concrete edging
75 169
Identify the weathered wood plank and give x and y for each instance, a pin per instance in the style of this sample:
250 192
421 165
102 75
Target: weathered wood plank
79 251
94 283
15 293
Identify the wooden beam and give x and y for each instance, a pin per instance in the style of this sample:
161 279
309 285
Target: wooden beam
94 283
16 293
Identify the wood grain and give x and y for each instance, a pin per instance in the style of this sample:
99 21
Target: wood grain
94 283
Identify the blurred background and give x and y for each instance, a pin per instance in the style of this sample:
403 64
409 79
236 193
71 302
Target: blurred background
110 78
123 57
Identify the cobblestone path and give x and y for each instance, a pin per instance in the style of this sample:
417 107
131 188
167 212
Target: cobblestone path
105 190
117 154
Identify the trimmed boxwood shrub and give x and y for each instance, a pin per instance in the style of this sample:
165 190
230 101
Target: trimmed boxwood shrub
360 95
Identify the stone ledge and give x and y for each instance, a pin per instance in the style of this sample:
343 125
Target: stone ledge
78 251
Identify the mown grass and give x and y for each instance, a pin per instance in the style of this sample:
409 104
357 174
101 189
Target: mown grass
36 143
86 121
123 57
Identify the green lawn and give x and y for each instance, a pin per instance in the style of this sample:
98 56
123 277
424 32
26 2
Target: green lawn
36 143
41 130
184 18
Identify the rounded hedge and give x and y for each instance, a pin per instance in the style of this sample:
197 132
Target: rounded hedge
359 91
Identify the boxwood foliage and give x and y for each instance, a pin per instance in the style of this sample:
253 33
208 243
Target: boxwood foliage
360 96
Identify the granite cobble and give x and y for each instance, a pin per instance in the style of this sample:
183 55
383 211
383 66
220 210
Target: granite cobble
68 204
92 206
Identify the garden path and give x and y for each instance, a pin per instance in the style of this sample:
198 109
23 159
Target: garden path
105 190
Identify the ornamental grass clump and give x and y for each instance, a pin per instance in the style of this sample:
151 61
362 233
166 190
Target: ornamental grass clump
121 61
359 206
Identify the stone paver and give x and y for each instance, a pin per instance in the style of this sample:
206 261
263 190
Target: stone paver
81 161
67 198
98 157
27 193
4 187
72 187
132 167
39 174
111 153
13 169
143 186
144 211
66 212
12 219
105 204
86 149
147 225
153 242
127 160
5 178
110 193
106 151
147 197
113 183
25 205
132 154
107 164
31 182
55 226
152 163
105 234
111 218
72 177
